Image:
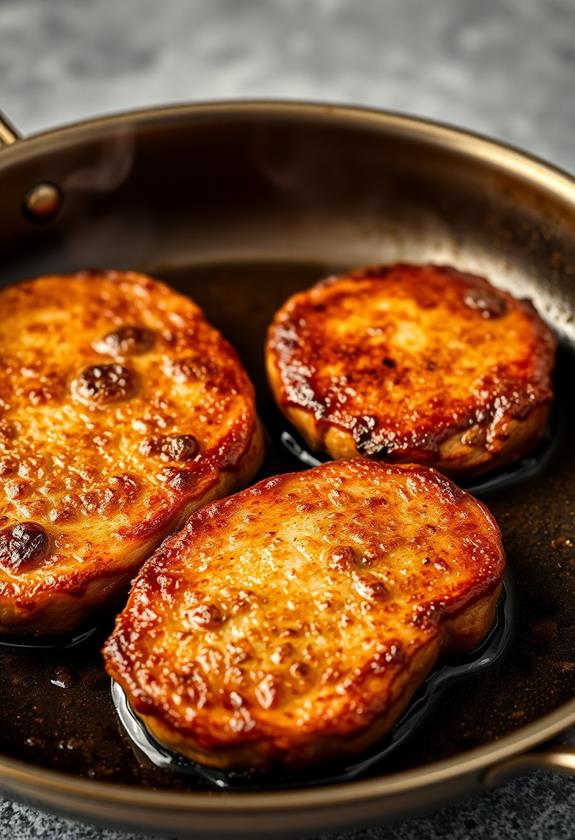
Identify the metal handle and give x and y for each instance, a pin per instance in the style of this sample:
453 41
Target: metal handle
559 758
8 133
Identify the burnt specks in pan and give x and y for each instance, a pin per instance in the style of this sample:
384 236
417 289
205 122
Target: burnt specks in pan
126 341
22 547
100 385
171 447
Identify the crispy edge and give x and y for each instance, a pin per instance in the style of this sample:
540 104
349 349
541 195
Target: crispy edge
457 628
454 457
460 633
61 608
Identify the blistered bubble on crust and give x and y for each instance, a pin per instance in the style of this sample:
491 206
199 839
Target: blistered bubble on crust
413 363
127 340
22 547
171 447
101 448
100 385
292 622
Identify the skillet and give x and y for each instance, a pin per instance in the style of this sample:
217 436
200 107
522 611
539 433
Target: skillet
240 205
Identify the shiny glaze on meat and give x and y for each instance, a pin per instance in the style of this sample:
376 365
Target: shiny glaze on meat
293 621
121 411
413 363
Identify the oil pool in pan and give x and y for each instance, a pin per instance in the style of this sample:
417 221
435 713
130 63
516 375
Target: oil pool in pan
425 700
55 704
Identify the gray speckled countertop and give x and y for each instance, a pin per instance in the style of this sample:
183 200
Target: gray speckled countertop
502 67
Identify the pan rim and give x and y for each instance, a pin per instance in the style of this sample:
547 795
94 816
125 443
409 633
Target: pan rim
473 144
499 152
406 781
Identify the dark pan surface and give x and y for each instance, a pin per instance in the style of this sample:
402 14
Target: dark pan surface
239 208
55 708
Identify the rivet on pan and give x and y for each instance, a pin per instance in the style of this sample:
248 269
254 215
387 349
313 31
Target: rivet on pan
42 202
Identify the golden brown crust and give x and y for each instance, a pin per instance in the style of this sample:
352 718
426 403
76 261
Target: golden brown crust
293 621
121 411
413 363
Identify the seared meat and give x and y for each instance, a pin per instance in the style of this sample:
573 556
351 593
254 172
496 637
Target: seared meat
121 411
413 363
292 623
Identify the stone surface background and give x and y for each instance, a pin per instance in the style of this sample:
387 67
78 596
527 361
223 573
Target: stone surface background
501 67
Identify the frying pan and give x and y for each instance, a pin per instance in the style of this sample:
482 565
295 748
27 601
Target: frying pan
238 205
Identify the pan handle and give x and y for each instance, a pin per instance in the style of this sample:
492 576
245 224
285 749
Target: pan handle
559 758
8 133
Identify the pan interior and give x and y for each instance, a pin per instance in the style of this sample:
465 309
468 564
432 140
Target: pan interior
239 214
